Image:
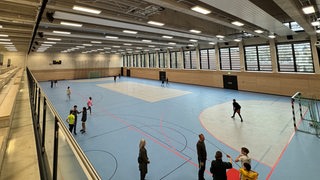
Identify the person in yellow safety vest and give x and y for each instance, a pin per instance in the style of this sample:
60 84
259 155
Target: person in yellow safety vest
71 120
247 174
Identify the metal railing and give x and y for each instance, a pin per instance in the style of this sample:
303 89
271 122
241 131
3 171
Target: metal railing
59 155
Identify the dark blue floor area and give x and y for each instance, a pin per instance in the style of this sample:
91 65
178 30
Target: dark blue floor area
171 129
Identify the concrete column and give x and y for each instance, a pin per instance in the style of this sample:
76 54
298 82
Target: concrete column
198 57
315 56
216 48
242 59
273 53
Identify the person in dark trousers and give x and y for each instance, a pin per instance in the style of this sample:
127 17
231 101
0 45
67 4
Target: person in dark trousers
218 167
143 159
51 83
202 156
167 82
236 109
70 120
115 78
75 112
162 83
83 120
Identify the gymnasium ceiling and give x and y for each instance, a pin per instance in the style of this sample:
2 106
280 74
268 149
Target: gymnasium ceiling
122 26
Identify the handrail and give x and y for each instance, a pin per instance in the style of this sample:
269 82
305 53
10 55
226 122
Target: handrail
83 160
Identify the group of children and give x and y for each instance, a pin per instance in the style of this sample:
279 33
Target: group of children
73 116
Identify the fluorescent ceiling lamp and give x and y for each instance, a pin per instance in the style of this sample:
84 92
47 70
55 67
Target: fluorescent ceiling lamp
130 32
61 32
87 44
6 43
237 23
220 36
138 47
49 42
96 42
308 10
116 46
48 45
212 43
80 46
200 10
120 50
70 24
318 31
112 37
272 36
315 23
190 45
129 49
84 9
167 37
152 46
258 31
155 23
172 43
146 40
106 48
3 35
195 31
170 47
53 39
113 51
237 40
127 44
5 40
0 26
193 40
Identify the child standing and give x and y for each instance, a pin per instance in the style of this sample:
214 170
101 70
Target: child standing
89 104
71 120
69 93
83 120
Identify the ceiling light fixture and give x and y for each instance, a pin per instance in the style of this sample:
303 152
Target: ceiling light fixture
237 23
84 9
53 39
258 31
272 36
212 43
116 46
237 40
3 35
112 37
96 42
1 26
193 40
167 37
172 43
155 23
315 23
220 36
5 40
200 9
61 32
195 31
70 24
127 44
308 10
318 31
146 40
49 42
130 32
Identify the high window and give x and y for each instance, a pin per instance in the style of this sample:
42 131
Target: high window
190 59
230 58
258 58
208 59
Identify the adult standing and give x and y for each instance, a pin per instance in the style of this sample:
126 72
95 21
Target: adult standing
143 159
202 156
75 112
83 120
236 109
89 104
218 167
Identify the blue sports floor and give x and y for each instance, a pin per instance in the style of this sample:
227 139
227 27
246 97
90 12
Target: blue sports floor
170 118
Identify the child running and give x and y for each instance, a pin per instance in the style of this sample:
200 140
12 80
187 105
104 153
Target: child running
69 93
89 104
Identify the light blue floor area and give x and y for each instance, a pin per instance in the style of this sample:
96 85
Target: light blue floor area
171 129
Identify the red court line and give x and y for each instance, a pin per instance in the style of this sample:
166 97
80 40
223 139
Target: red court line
151 138
284 149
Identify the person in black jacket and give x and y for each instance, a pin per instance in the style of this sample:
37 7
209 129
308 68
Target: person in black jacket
143 159
236 109
218 167
75 113
202 156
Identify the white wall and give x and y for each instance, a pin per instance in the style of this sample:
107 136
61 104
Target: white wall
17 58
42 61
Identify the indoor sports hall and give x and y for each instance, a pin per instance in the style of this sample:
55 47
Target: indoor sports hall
161 72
